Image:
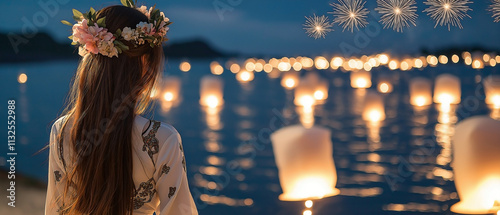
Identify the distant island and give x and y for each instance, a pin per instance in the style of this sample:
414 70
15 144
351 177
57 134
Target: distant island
43 47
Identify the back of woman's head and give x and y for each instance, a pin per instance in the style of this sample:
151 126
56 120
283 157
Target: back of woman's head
107 94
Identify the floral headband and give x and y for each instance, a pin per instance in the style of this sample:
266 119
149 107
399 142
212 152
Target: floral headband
91 34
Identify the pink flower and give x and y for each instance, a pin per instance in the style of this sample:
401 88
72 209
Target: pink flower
92 48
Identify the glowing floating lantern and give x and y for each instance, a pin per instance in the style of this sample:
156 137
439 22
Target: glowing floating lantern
492 90
476 144
211 94
244 76
305 163
373 110
420 92
361 79
447 89
290 80
304 94
321 91
385 85
216 68
22 78
185 66
171 89
321 63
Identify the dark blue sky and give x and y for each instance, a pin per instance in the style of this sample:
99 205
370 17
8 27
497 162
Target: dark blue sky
273 27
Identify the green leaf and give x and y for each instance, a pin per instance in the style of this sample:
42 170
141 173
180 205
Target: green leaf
124 2
92 10
77 13
118 32
71 37
74 43
101 22
120 45
66 22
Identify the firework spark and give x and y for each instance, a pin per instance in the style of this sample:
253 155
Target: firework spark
495 8
317 26
397 14
448 12
350 14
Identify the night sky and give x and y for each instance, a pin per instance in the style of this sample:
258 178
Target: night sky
273 27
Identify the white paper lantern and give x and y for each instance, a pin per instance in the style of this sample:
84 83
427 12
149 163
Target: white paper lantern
476 164
304 94
447 89
171 89
305 162
373 110
211 94
420 92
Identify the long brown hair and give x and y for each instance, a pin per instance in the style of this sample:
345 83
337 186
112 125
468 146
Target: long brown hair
106 96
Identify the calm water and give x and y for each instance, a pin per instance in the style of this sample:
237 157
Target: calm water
406 172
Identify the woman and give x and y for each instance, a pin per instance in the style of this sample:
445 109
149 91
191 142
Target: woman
104 157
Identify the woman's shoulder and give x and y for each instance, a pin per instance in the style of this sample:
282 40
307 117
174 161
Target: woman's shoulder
58 123
161 130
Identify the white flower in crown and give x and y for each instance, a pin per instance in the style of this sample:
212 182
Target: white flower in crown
144 28
144 10
107 48
129 34
165 19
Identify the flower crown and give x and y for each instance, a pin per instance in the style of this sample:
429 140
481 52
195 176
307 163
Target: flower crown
91 34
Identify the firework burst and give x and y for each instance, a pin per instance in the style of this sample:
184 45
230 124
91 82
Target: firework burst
397 14
448 12
495 9
350 14
317 26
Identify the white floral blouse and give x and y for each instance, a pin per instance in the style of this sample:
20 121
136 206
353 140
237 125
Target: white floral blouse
159 169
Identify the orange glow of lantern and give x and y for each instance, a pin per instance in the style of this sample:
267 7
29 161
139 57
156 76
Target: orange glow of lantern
361 79
305 163
321 91
383 58
211 94
373 110
492 90
185 66
447 90
385 87
244 76
284 66
290 80
475 164
307 62
336 62
420 92
477 64
171 89
22 78
455 58
321 63
216 68
234 68
304 94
